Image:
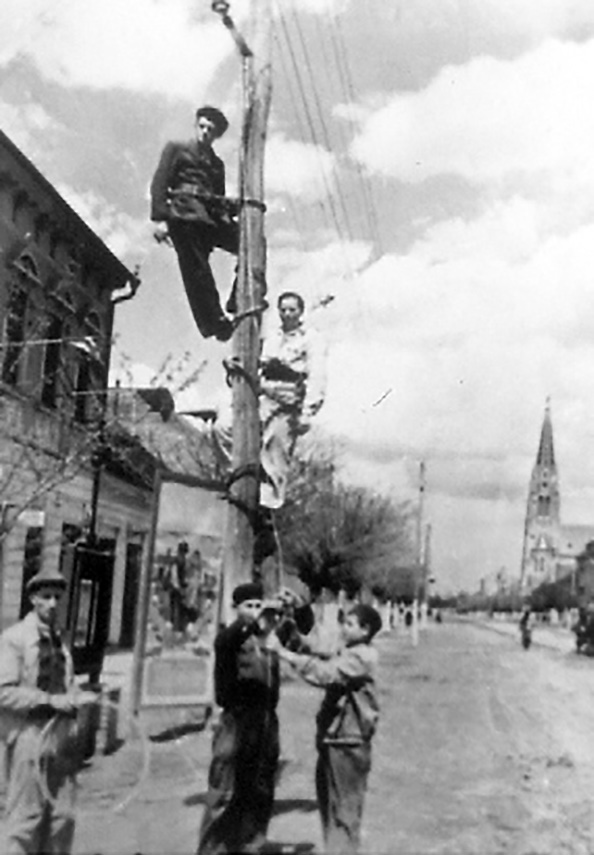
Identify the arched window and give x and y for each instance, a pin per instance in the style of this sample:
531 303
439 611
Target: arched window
14 335
544 506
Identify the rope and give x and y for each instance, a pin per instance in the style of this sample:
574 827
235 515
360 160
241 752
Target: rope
235 369
248 470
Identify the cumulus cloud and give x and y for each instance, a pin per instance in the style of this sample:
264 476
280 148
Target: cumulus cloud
141 45
25 124
491 119
451 351
120 232
303 171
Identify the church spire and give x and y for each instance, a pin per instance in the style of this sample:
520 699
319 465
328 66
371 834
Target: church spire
546 450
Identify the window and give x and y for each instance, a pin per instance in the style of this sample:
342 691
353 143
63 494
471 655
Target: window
81 390
51 363
14 335
544 506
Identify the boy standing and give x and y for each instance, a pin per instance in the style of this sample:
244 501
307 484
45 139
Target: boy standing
245 744
346 723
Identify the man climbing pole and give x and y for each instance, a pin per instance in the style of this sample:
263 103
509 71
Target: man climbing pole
292 383
188 203
291 391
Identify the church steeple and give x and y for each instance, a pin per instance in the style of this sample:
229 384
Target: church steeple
546 450
542 530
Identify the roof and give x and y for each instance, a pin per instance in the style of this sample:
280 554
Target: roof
574 538
184 452
73 221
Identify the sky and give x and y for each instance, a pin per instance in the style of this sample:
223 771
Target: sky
430 166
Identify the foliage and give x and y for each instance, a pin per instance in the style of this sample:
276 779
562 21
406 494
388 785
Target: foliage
554 595
339 536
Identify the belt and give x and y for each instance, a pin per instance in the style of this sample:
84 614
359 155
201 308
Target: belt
193 190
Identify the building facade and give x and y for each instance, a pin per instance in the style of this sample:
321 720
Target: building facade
59 284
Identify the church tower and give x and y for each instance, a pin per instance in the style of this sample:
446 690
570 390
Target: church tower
542 529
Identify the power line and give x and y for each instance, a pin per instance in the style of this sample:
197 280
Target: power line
308 115
345 71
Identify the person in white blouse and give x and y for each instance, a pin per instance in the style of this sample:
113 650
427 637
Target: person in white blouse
292 387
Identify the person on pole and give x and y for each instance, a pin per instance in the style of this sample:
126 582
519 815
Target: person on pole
38 708
245 743
188 203
292 381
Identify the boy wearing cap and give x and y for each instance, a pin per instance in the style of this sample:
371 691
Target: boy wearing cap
245 742
187 202
346 723
36 688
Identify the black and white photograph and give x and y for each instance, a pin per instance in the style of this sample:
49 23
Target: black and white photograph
296 427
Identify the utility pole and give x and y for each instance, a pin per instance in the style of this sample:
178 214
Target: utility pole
242 514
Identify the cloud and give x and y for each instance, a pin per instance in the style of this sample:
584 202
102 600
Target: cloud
123 234
451 350
316 7
301 170
25 124
491 119
141 45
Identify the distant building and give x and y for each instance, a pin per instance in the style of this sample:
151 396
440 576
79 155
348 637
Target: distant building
550 549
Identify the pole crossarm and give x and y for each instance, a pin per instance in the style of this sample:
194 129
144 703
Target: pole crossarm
221 7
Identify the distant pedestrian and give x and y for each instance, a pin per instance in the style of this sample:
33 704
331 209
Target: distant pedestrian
38 708
187 193
346 724
245 744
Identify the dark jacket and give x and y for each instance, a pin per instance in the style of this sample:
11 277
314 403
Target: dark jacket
191 165
246 674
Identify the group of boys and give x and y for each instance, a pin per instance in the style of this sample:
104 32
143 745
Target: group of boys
245 752
37 689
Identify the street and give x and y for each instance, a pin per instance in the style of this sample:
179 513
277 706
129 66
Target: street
483 748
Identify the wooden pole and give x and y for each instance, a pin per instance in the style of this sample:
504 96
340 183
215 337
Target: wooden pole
143 601
243 505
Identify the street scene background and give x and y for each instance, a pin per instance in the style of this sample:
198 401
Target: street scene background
483 747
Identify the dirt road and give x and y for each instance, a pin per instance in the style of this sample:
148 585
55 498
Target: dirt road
483 748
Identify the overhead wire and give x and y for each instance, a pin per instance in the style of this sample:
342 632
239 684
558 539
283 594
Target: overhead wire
339 43
322 121
308 114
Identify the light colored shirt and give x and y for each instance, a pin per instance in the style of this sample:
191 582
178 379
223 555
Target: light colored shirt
350 710
19 671
301 350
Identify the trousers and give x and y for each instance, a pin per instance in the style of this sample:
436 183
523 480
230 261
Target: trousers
33 823
341 784
280 411
193 242
241 782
